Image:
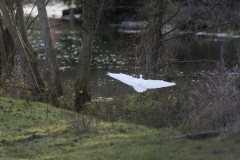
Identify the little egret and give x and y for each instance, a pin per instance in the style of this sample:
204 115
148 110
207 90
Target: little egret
139 84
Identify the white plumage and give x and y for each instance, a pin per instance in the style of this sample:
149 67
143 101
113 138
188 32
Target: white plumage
140 84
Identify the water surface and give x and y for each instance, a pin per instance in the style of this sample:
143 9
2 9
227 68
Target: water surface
109 48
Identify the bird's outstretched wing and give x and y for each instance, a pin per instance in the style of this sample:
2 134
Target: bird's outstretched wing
139 84
151 84
129 80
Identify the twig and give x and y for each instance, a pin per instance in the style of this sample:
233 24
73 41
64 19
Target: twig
206 11
204 29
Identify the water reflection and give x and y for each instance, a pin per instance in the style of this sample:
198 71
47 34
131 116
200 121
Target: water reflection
67 40
208 47
106 57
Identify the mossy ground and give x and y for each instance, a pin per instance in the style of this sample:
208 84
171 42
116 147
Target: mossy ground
33 130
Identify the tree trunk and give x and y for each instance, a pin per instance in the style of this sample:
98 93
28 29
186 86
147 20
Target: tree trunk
2 50
31 53
22 26
55 80
6 46
25 62
155 21
82 86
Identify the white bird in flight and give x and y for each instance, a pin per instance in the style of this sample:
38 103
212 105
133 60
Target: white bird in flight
140 84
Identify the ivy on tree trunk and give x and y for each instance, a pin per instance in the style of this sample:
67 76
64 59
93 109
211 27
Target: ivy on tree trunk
27 62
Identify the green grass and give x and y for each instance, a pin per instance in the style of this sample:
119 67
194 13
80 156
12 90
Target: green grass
60 134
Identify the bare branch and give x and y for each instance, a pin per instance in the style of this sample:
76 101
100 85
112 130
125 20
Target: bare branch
204 29
175 14
199 15
34 17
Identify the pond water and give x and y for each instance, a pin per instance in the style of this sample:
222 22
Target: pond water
105 57
207 47
107 53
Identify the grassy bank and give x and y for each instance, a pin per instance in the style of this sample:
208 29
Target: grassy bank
32 130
